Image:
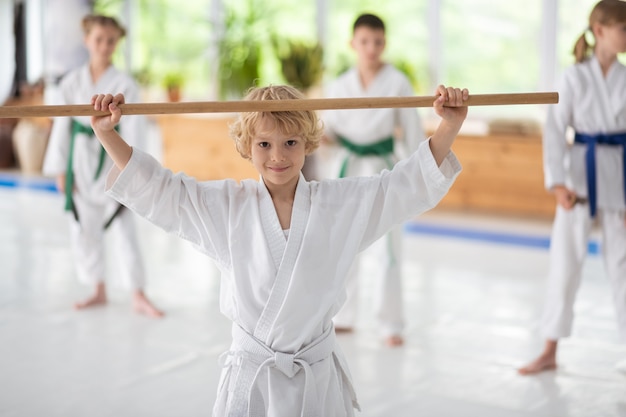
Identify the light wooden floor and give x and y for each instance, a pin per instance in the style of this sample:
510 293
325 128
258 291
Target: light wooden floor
472 310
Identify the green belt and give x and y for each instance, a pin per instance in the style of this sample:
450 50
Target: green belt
69 174
382 148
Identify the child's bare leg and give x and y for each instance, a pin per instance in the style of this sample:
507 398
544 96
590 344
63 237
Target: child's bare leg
98 298
142 305
545 362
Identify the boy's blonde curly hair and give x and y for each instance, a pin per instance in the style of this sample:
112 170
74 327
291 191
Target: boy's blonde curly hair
303 123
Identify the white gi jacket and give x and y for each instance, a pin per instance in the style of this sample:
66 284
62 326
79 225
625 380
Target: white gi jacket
590 104
91 206
367 126
77 87
281 294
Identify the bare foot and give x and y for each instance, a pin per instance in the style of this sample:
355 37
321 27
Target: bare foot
545 362
343 330
142 305
394 340
97 299
541 364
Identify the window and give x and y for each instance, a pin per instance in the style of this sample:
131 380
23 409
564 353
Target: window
167 38
492 47
406 30
573 19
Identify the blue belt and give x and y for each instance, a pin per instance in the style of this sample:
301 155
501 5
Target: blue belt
616 139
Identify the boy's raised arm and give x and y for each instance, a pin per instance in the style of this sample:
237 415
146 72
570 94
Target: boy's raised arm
104 128
450 106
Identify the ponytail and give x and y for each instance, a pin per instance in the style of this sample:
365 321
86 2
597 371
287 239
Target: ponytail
605 13
581 48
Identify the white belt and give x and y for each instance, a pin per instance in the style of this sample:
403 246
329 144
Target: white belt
254 356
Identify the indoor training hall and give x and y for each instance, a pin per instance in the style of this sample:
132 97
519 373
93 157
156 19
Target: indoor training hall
474 270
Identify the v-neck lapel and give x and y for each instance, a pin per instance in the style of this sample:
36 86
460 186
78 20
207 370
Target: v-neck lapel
602 88
615 79
373 85
105 78
285 258
271 225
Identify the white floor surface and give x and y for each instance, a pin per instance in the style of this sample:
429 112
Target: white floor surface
472 309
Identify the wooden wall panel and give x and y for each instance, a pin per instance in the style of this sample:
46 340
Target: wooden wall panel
502 174
201 147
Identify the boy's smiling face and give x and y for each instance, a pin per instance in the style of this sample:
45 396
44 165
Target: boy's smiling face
278 157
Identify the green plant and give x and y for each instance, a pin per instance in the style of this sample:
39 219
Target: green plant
173 80
107 7
407 69
173 83
240 48
144 76
301 62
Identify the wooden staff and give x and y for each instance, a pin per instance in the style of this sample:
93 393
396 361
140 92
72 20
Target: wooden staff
274 105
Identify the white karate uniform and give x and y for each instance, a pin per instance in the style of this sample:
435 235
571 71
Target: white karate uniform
282 292
94 207
590 104
364 127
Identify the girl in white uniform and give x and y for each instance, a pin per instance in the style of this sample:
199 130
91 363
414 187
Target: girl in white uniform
371 140
587 177
79 163
283 245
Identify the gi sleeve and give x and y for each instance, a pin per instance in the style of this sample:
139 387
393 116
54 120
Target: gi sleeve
176 203
555 146
412 187
410 124
57 151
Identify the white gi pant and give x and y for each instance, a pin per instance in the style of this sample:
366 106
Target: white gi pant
568 248
386 268
88 243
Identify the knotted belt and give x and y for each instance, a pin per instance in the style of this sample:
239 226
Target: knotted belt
69 172
253 357
615 139
382 148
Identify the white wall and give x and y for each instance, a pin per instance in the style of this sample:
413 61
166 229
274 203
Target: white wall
7 49
63 47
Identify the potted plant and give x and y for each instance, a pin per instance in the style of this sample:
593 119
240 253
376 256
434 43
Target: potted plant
173 82
301 62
